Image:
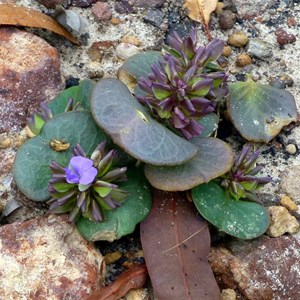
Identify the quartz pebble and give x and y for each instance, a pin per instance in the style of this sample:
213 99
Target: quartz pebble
238 39
94 70
125 50
288 203
228 294
291 149
259 49
5 141
281 222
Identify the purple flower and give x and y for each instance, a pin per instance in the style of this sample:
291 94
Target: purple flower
80 170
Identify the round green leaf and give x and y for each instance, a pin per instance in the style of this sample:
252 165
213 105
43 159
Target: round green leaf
242 219
139 65
80 93
31 166
213 159
121 221
131 127
210 124
259 111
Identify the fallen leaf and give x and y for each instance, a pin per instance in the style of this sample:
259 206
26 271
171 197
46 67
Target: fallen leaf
22 16
200 11
134 278
176 244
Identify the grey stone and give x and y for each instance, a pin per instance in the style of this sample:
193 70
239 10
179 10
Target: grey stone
259 49
154 17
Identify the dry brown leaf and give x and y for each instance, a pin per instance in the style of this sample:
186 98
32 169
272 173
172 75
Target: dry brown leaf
22 16
200 11
134 278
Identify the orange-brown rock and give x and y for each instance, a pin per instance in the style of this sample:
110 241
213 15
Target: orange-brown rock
29 74
46 258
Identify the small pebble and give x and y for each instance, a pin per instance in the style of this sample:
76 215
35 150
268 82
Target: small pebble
276 82
115 21
112 257
154 16
291 149
125 50
227 51
288 203
238 39
281 222
259 49
130 39
243 60
5 141
284 38
228 294
101 11
227 19
94 70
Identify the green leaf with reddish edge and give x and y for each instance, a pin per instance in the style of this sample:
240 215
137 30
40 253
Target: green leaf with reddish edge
80 93
242 219
214 158
139 65
131 127
259 111
176 244
32 163
121 221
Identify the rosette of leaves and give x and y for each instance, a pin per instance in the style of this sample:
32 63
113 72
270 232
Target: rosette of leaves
220 201
241 181
87 186
185 84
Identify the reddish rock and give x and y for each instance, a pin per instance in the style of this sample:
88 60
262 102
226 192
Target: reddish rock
29 74
283 37
251 9
262 269
101 11
46 258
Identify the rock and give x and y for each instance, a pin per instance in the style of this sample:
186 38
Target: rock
259 48
97 49
125 50
4 141
228 294
262 269
281 222
130 39
288 203
227 51
138 294
281 81
154 16
291 149
94 70
29 75
289 183
283 37
238 39
243 60
250 9
51 3
148 3
227 19
46 258
83 3
101 11
124 7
